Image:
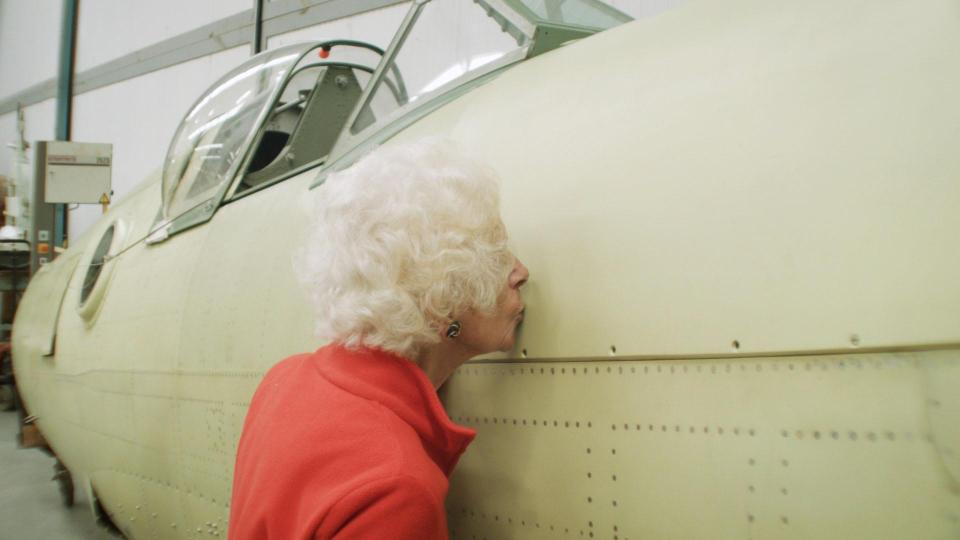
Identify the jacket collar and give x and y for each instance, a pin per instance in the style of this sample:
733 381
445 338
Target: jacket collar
402 387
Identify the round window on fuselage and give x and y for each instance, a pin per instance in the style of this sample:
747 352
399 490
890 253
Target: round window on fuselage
96 264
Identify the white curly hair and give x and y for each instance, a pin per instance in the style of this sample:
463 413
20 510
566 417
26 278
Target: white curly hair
402 242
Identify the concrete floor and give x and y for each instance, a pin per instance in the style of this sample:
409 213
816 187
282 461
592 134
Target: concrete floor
30 507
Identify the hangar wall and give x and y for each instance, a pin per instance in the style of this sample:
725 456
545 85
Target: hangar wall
139 114
29 52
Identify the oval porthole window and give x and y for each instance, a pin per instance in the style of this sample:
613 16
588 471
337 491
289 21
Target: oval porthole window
98 270
95 268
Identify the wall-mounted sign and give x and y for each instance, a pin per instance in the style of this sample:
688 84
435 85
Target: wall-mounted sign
76 172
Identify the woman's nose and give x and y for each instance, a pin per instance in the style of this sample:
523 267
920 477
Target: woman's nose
519 275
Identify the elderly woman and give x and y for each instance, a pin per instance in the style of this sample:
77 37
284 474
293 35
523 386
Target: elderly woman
410 276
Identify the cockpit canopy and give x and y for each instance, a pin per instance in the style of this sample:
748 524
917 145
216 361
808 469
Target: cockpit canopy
262 101
290 109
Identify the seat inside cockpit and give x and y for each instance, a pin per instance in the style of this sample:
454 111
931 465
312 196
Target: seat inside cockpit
310 114
305 123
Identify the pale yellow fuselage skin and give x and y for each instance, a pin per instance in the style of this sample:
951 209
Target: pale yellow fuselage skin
741 222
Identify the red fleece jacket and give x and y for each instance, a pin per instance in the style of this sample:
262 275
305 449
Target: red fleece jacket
344 444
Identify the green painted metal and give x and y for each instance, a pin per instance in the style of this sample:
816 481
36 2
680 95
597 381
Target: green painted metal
550 36
258 40
65 99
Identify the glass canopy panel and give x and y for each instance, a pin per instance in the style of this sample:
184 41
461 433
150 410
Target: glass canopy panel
449 44
586 13
285 118
319 94
213 137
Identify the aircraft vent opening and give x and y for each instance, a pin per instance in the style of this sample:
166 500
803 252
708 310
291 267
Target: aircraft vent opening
96 264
